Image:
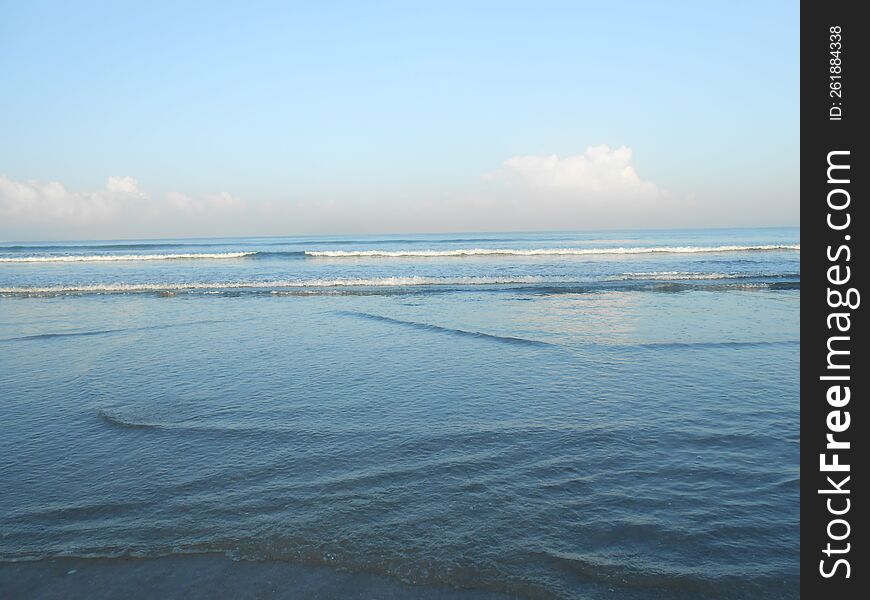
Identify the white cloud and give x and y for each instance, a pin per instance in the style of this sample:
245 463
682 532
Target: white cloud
600 171
33 208
596 189
125 187
33 201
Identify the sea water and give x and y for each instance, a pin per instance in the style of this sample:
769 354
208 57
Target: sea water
578 415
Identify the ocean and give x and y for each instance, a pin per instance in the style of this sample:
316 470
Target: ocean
608 414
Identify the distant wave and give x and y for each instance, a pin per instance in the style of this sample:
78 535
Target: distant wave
121 257
543 251
432 253
125 246
279 254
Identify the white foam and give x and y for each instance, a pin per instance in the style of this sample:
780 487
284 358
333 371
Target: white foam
314 284
120 257
308 283
543 251
678 275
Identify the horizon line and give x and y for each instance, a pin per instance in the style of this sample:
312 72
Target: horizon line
384 234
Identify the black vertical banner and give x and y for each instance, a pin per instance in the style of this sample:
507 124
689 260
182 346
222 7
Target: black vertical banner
834 370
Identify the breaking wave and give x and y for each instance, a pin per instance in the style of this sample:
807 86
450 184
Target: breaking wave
623 281
696 276
543 251
428 253
306 283
122 257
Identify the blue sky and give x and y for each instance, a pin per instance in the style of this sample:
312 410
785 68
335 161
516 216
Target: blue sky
286 118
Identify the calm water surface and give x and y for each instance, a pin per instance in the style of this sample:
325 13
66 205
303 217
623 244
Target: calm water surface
561 415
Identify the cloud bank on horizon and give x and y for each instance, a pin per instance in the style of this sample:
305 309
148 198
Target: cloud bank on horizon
526 192
34 207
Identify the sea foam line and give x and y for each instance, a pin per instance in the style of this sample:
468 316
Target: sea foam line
689 275
308 283
395 281
121 257
545 251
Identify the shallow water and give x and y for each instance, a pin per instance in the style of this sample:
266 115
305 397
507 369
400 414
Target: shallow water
543 424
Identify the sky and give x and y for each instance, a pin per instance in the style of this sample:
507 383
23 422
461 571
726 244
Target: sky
166 119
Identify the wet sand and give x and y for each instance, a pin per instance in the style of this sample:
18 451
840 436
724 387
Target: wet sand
205 576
